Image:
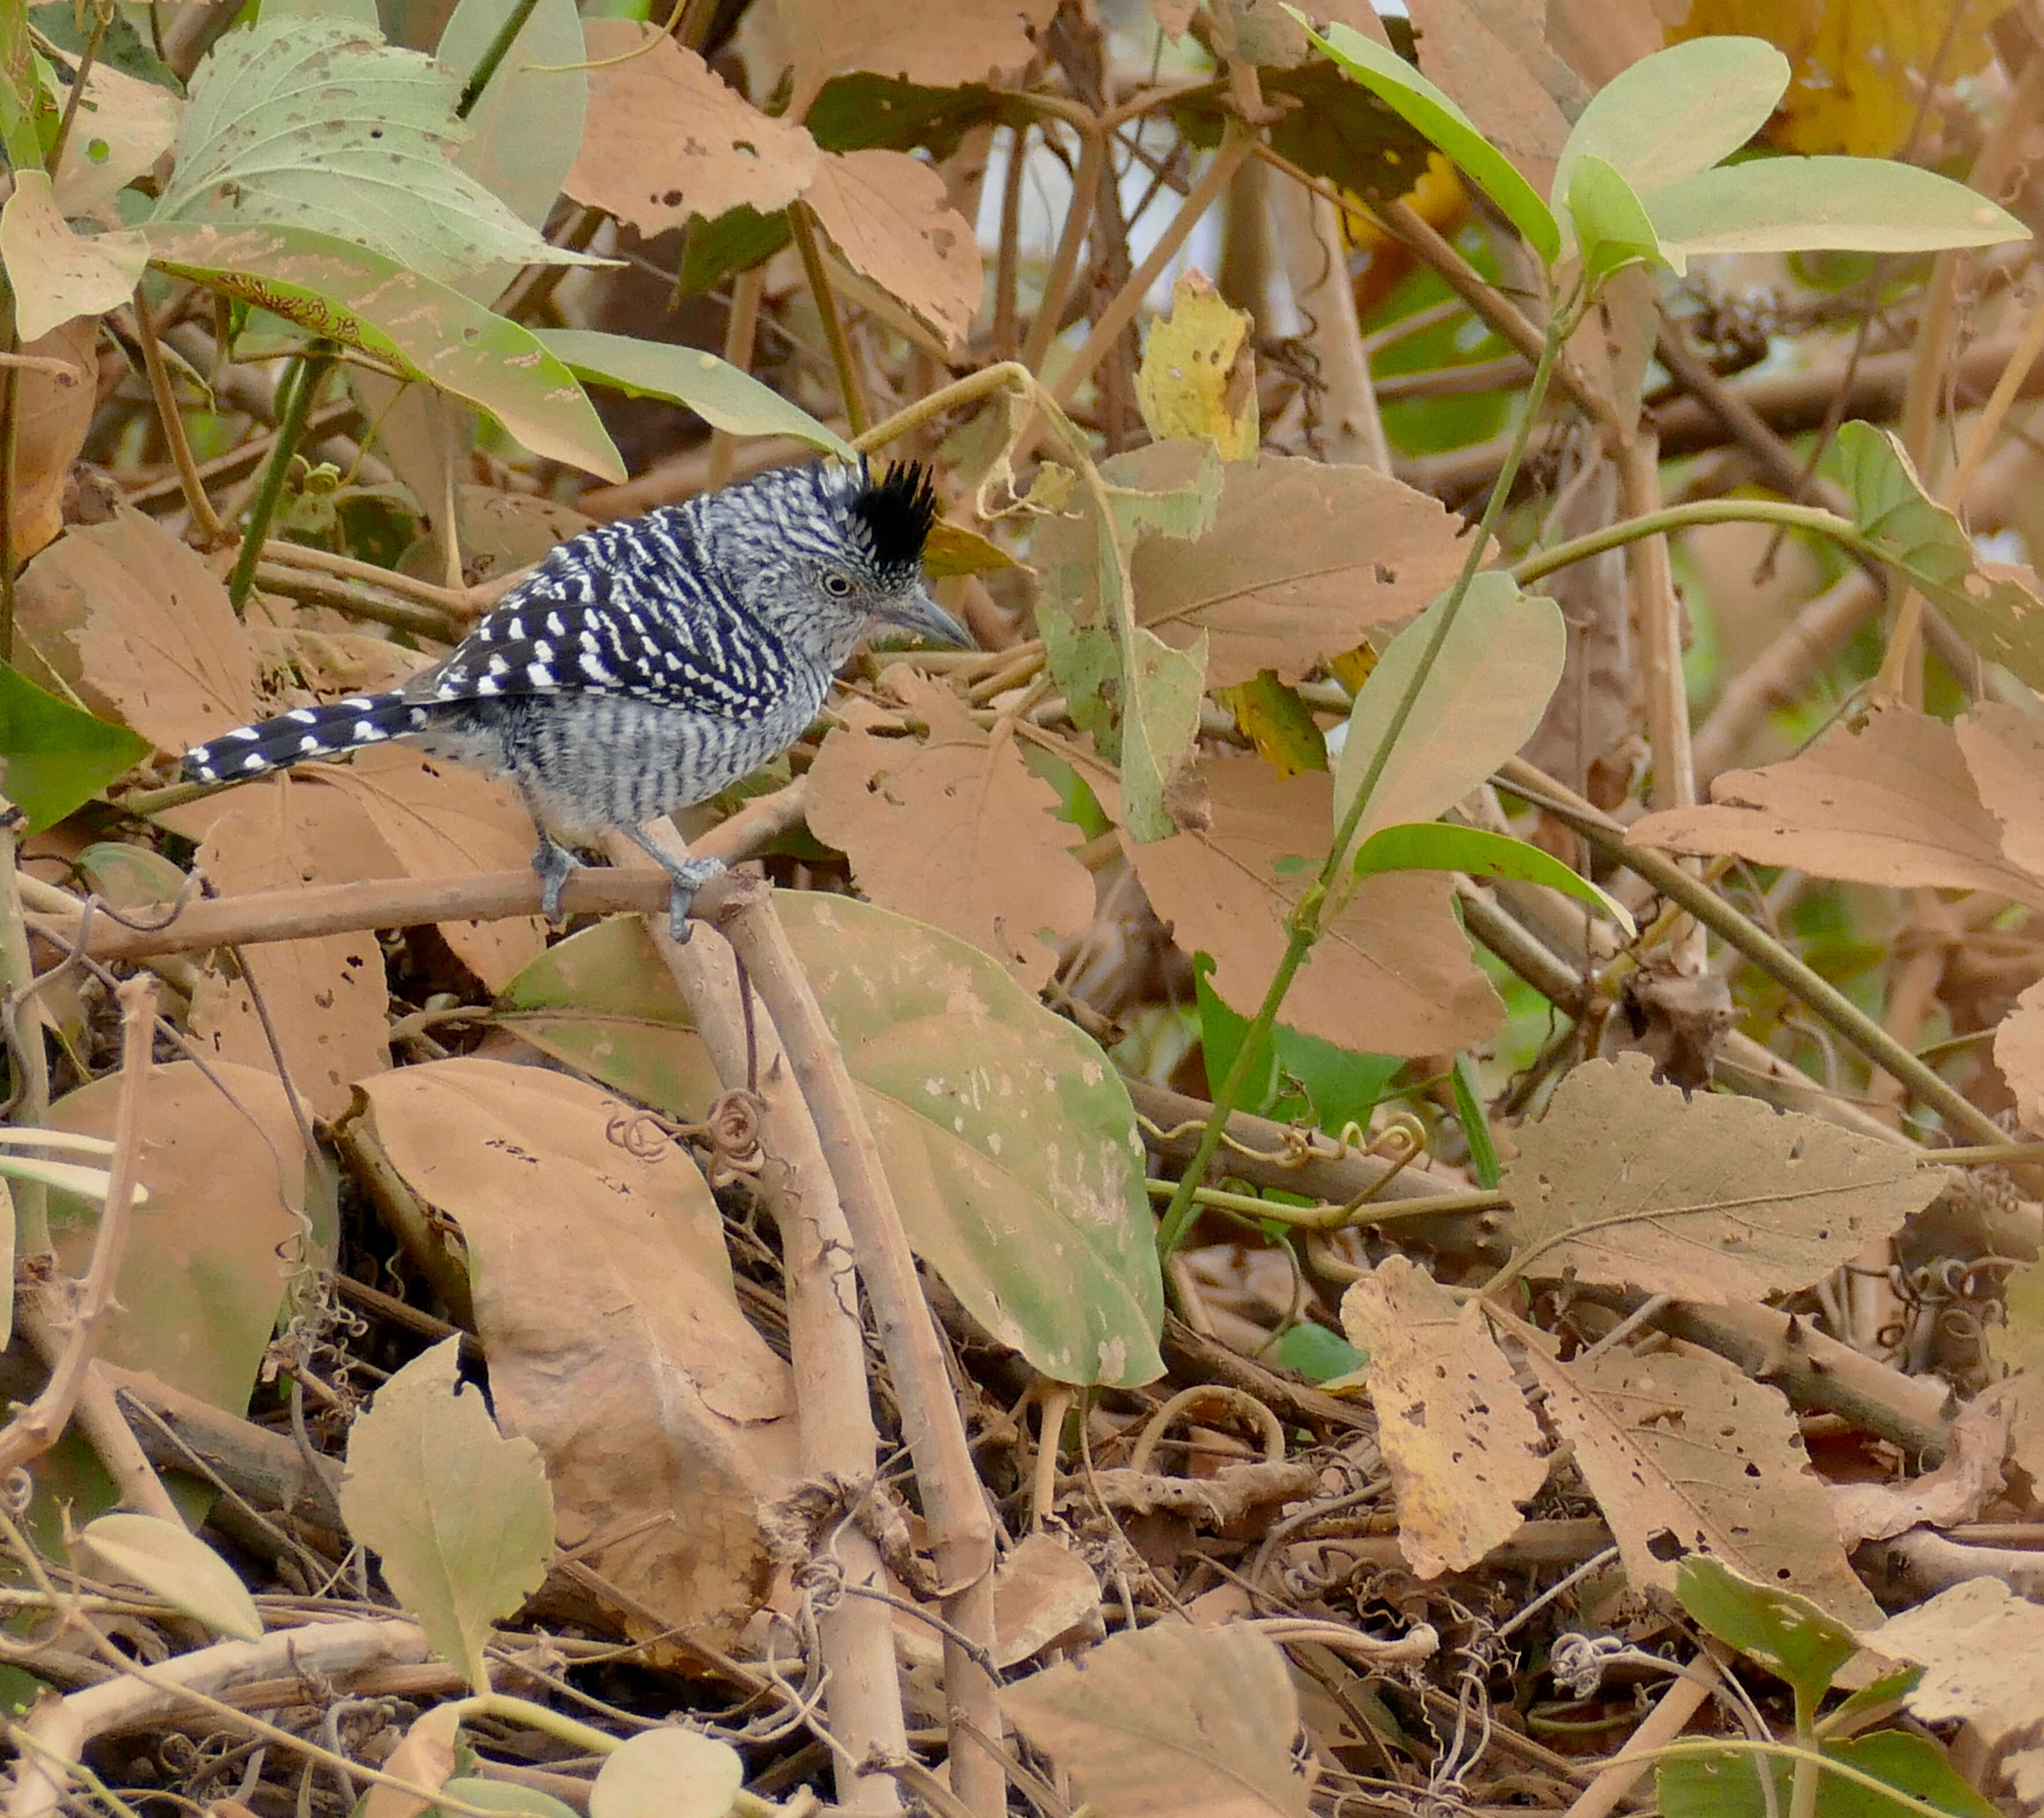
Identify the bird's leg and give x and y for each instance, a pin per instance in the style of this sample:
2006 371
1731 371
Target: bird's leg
553 861
690 875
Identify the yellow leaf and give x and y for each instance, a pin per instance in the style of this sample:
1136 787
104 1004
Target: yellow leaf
1199 372
1277 722
1855 62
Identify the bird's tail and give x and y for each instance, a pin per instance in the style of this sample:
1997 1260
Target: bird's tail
304 732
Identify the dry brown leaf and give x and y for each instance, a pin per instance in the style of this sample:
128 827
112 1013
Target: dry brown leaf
1957 1490
1493 57
2018 1051
1892 803
604 1296
1393 975
152 642
1302 559
53 410
326 997
123 125
446 820
1982 1648
2017 1345
58 274
1684 1454
938 44
1170 1722
321 664
425 1756
210 1256
954 829
2004 755
1262 32
1042 1590
1462 1447
1600 38
887 214
1712 1199
668 140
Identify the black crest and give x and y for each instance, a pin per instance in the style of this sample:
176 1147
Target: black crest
897 510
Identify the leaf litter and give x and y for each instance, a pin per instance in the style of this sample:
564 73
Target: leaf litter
1380 1516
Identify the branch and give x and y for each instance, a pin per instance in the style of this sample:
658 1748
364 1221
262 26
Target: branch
39 1426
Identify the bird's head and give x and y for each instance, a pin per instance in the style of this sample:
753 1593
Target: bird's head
855 561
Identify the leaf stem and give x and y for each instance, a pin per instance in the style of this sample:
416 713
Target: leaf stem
301 380
205 520
1303 926
500 48
1736 931
803 224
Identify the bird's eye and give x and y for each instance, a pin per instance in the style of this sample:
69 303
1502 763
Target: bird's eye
837 585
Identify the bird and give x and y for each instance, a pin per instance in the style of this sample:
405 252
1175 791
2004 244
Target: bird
647 664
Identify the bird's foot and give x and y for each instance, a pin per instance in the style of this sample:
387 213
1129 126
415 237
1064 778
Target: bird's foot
554 862
690 875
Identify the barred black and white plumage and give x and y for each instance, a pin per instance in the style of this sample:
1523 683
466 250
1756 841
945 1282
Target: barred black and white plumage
646 664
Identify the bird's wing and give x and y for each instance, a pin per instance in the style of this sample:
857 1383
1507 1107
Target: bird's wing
599 618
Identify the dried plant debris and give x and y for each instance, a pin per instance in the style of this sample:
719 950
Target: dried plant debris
1370 1144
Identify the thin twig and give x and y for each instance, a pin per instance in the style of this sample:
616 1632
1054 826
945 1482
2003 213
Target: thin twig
205 521
41 1424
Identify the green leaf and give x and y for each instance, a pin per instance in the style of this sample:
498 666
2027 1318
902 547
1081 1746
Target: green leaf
1806 204
602 1001
525 127
1727 1784
1482 700
667 1773
172 1563
1787 1634
54 757
428 331
1435 845
460 1516
1138 696
501 1795
1276 719
1854 1713
861 111
21 94
971 1085
716 391
2001 617
1340 1086
1336 129
1467 1092
736 241
312 124
1676 112
1390 76
1317 1354
1611 224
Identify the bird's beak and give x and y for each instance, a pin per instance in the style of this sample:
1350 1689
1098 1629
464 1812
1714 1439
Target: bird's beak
923 615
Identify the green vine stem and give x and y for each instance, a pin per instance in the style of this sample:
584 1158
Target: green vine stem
1303 928
1759 946
499 48
577 1734
1543 562
294 400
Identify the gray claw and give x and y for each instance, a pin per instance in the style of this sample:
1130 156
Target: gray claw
554 862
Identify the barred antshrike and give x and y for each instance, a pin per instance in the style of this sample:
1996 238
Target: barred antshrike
646 664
